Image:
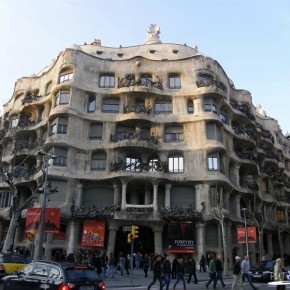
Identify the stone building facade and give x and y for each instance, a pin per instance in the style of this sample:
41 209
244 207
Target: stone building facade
150 135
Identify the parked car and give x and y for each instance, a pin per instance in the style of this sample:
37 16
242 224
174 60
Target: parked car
263 271
11 262
50 275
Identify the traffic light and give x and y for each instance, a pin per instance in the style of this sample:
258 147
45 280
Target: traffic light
31 235
129 238
135 232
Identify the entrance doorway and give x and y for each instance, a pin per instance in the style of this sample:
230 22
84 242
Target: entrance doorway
144 244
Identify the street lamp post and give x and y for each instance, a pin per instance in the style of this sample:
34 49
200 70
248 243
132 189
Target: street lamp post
46 158
245 210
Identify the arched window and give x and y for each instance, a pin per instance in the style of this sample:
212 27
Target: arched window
91 104
107 81
65 76
174 81
190 108
96 131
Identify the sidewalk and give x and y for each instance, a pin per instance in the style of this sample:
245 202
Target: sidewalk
140 280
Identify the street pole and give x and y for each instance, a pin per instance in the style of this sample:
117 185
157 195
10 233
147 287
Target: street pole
46 158
132 251
246 230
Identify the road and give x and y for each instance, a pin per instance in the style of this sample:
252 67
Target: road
141 283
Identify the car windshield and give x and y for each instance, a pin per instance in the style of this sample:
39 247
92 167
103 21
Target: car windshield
81 274
264 265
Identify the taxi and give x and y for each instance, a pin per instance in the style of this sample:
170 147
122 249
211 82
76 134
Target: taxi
11 262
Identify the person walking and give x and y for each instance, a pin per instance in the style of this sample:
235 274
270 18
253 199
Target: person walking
166 267
111 265
219 271
157 271
245 272
180 271
174 265
237 279
211 272
202 264
121 264
278 274
192 271
146 262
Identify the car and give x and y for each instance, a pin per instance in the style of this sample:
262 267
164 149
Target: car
263 271
11 262
51 275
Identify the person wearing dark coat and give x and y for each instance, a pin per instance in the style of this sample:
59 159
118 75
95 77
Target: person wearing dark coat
192 271
146 262
180 274
202 264
166 266
219 271
157 273
174 265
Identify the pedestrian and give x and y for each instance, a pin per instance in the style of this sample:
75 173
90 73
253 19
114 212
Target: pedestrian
121 264
192 271
174 265
157 272
202 264
278 274
111 265
146 262
245 272
237 274
180 271
137 260
219 271
166 267
211 272
127 264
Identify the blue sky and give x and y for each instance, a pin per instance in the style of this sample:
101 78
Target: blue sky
249 38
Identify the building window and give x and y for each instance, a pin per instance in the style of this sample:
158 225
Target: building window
91 104
153 164
132 164
213 162
59 126
110 106
99 161
61 157
163 107
107 81
173 134
14 122
65 77
210 105
213 132
62 98
216 196
146 80
174 82
224 117
175 164
5 199
96 131
190 107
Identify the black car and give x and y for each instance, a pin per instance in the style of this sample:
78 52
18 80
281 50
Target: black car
263 271
49 275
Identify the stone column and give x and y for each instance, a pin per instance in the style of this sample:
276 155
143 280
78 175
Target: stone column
117 193
48 249
200 240
269 245
198 196
112 237
155 191
147 195
124 193
167 195
158 239
238 206
73 236
79 194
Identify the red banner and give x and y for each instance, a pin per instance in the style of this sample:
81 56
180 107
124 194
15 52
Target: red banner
93 233
51 222
252 235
